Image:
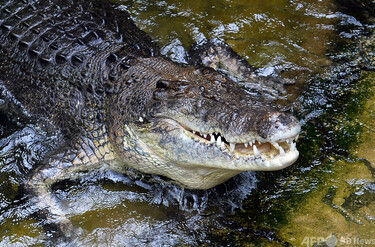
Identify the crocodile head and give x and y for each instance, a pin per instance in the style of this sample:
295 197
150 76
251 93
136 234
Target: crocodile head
199 128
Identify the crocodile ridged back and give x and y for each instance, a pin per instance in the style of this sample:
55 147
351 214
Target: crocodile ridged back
61 58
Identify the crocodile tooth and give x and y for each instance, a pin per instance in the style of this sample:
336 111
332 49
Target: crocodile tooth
212 139
296 138
222 146
196 138
232 146
216 133
193 131
246 144
205 136
218 142
237 156
287 141
278 147
250 143
282 152
271 156
256 152
293 146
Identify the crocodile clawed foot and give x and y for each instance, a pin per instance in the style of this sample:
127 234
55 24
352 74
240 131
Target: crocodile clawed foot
221 57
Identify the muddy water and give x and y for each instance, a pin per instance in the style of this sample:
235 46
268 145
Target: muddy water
328 195
341 209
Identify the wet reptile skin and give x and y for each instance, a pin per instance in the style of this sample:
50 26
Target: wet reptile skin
86 69
58 59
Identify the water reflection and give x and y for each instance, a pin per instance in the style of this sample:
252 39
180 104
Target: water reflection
135 213
276 33
110 208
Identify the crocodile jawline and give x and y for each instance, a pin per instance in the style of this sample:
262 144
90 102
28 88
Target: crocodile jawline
265 149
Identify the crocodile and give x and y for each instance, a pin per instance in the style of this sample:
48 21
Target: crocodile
84 70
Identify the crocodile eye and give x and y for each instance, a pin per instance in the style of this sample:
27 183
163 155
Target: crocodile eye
170 89
162 84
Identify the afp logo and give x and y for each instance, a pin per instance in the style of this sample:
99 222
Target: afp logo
330 241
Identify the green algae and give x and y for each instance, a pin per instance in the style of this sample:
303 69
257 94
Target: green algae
343 204
329 192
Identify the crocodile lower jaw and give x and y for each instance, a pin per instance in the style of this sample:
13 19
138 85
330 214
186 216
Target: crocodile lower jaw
267 155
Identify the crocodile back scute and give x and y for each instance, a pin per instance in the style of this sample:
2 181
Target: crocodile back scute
61 58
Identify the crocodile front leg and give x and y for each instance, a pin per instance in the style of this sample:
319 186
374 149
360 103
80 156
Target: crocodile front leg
219 56
11 106
85 155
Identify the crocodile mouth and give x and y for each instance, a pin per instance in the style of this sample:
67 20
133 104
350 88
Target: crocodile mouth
262 152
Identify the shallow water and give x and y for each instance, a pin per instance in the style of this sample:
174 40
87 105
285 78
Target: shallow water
312 42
